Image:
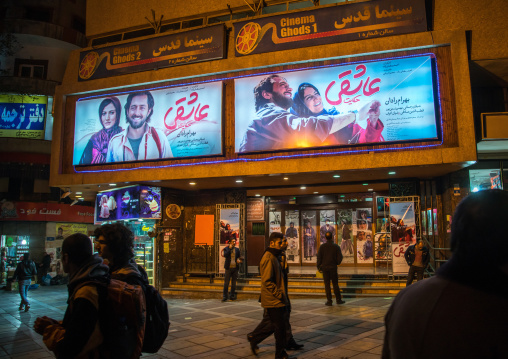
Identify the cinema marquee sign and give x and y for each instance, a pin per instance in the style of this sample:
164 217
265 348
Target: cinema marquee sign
329 25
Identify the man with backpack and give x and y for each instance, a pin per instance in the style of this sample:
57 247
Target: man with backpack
24 273
115 244
104 318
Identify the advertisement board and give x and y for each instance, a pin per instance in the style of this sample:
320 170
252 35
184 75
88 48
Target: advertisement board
229 228
132 202
403 233
152 124
393 101
22 116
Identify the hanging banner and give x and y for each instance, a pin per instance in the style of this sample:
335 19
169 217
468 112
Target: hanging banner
292 221
22 116
327 224
369 102
403 232
183 48
330 25
229 228
345 235
149 124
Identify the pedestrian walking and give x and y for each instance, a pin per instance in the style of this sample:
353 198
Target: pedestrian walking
24 273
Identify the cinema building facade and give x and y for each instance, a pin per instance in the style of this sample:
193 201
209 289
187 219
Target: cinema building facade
350 117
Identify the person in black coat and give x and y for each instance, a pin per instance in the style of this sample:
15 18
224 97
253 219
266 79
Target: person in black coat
328 258
24 273
232 262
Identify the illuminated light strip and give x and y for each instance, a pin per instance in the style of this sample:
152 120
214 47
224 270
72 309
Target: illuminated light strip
236 160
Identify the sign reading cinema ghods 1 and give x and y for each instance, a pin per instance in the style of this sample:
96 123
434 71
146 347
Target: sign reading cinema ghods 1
163 51
329 25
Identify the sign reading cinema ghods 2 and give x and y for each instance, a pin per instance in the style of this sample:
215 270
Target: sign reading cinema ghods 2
145 125
162 51
394 100
345 22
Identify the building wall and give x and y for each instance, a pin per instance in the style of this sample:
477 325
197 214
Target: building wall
459 146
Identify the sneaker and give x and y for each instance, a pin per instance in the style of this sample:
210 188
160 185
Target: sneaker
27 308
224 300
329 303
21 307
341 302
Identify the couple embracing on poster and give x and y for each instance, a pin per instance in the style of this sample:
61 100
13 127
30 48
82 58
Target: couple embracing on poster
286 121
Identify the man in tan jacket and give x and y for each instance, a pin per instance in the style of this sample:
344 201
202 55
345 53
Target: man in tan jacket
273 297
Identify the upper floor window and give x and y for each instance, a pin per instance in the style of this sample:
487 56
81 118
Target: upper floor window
31 68
39 14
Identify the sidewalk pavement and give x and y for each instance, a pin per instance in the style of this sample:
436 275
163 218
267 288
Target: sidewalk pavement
208 328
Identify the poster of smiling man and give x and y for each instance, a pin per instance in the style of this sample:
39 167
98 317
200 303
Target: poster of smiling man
361 103
142 125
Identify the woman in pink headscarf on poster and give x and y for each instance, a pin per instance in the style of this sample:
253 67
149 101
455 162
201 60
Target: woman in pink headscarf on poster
96 149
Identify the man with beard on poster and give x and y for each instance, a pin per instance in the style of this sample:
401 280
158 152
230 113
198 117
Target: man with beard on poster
139 141
274 127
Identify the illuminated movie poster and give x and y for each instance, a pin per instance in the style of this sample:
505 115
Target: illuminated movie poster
393 101
150 202
229 228
147 125
292 231
403 233
345 235
309 237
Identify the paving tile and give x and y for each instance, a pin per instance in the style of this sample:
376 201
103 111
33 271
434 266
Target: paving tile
377 350
337 353
365 356
360 345
222 343
191 351
379 335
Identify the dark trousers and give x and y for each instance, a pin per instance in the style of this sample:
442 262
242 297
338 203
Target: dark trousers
231 274
331 275
265 328
273 322
411 274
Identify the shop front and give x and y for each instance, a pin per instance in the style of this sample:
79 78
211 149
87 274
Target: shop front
139 209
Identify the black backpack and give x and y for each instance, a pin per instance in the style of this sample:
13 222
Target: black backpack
157 320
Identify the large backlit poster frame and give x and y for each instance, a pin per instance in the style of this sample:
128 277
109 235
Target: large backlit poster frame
398 96
183 121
